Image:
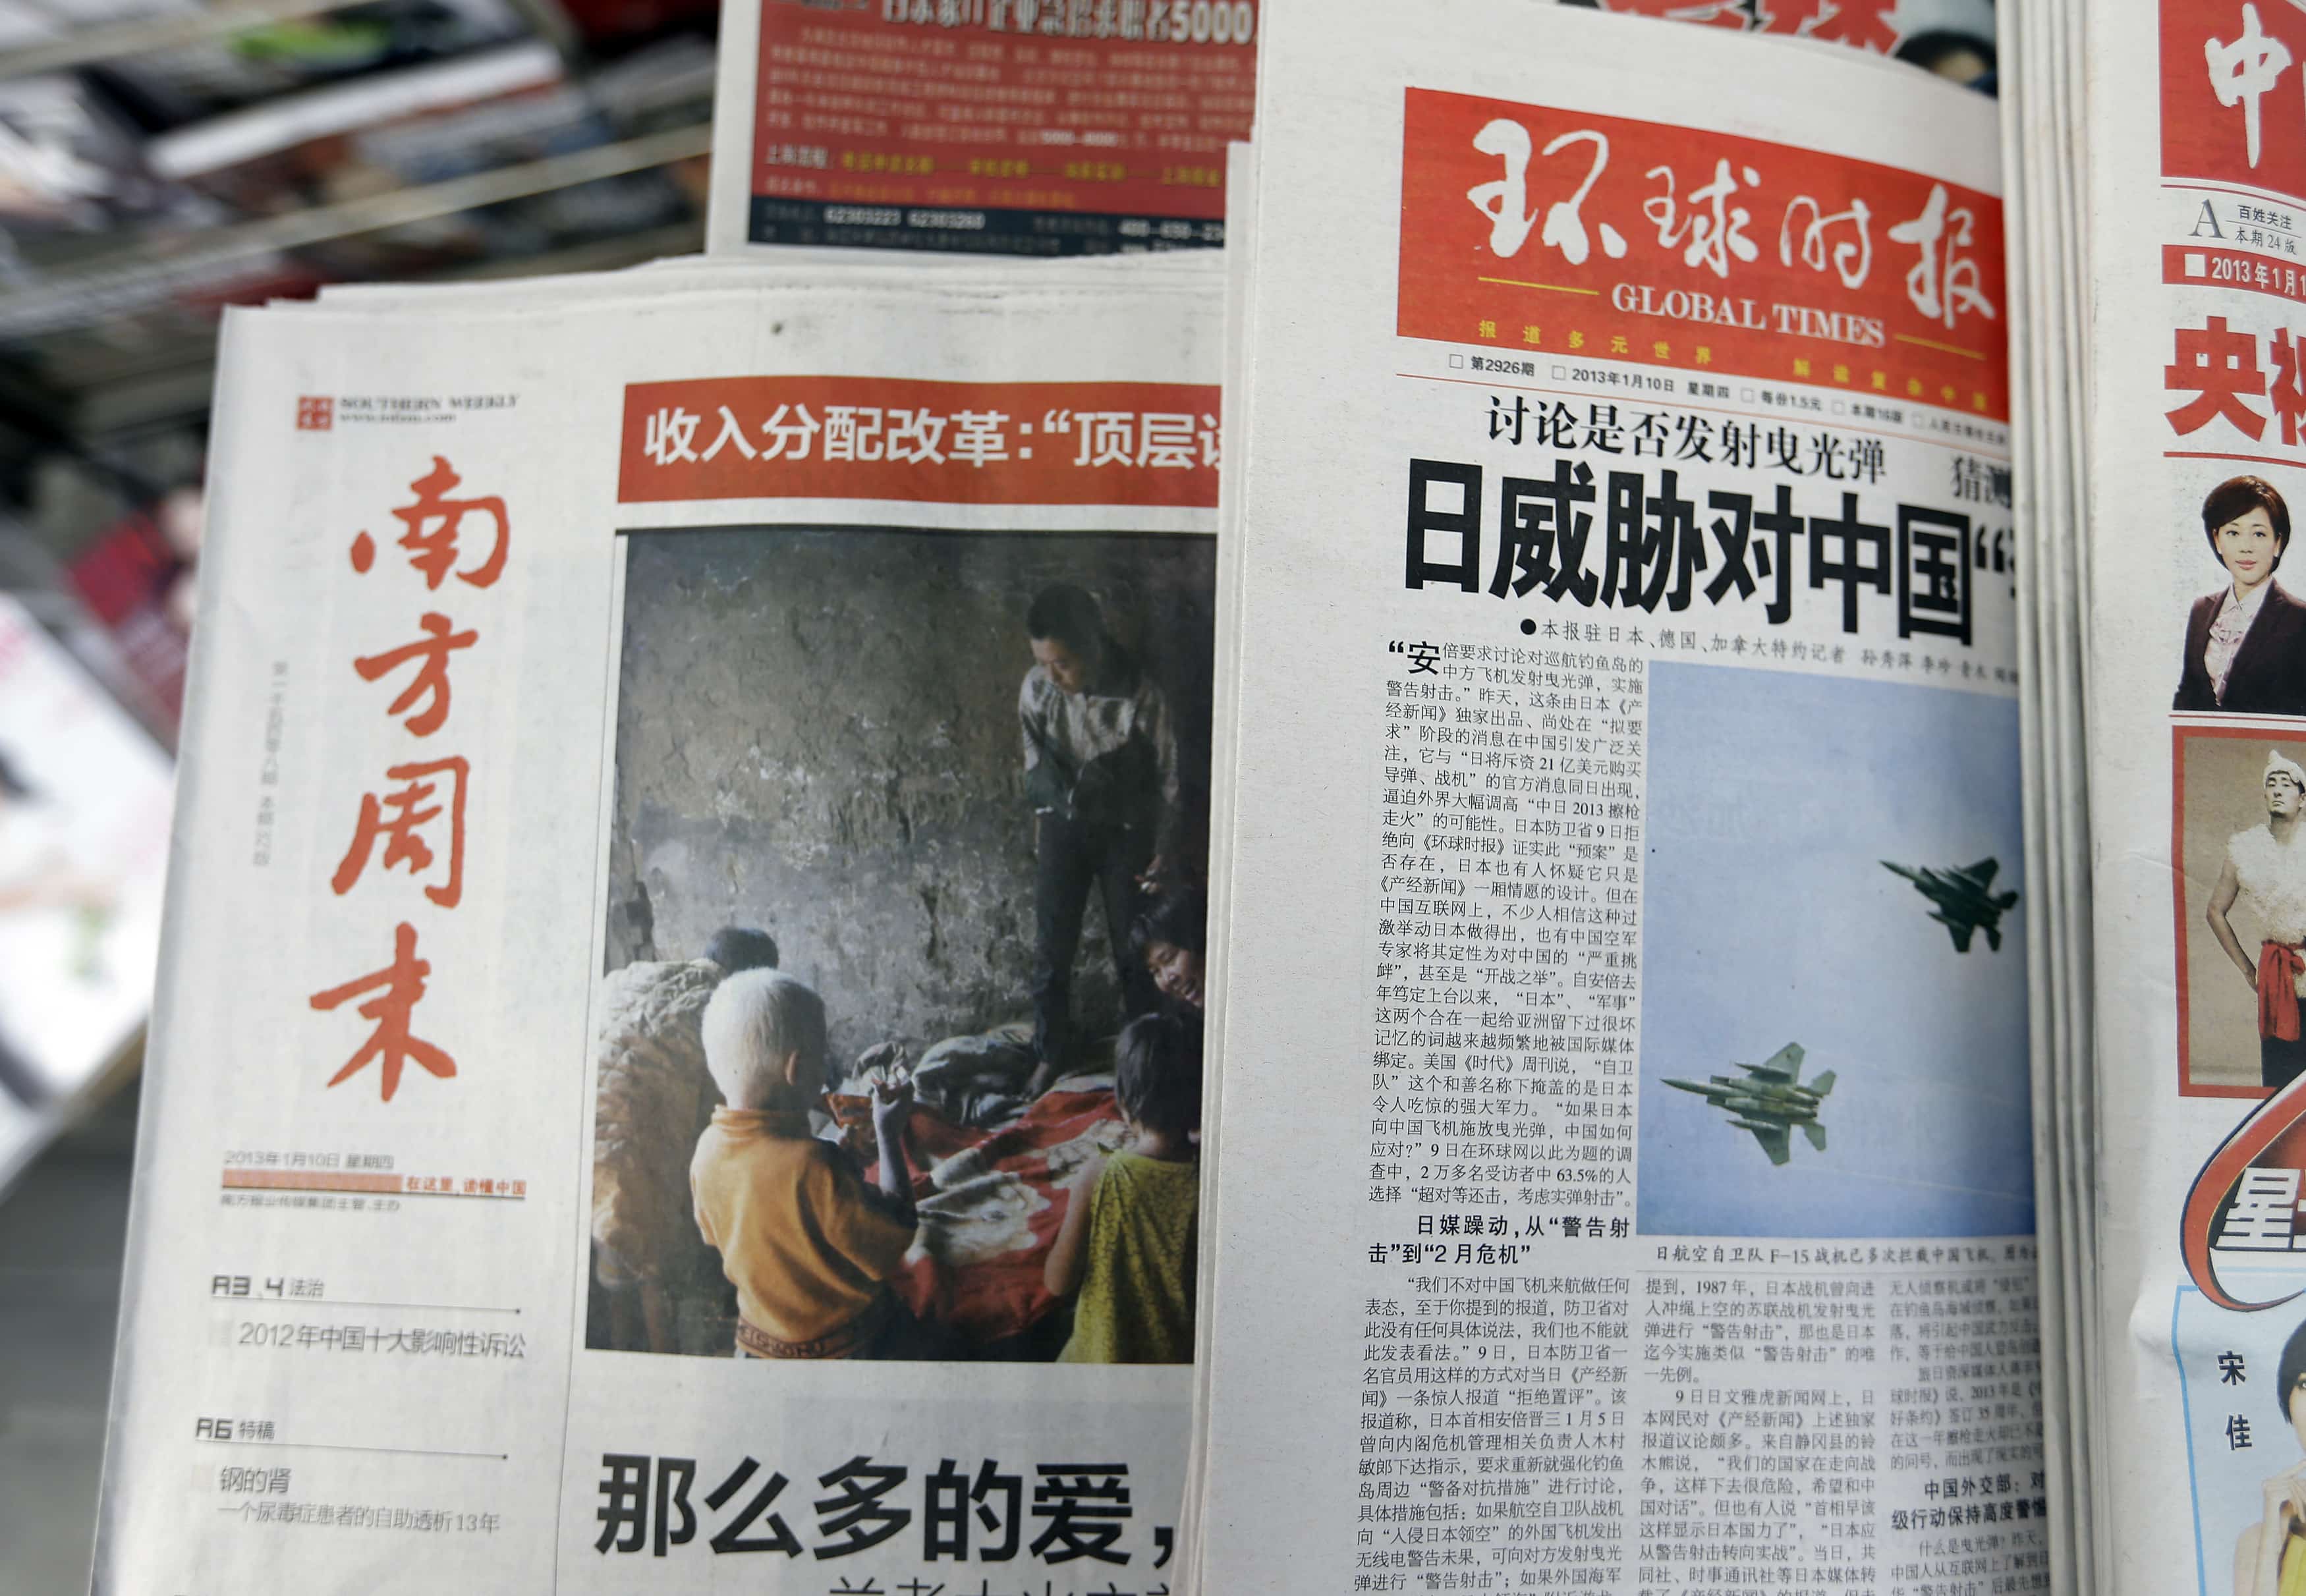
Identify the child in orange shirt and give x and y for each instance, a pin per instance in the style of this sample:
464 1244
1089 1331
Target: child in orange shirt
807 1245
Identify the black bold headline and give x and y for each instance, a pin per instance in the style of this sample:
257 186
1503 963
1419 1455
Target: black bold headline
1651 548
1061 1513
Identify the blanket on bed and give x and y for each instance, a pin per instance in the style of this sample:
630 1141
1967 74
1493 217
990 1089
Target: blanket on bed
990 1203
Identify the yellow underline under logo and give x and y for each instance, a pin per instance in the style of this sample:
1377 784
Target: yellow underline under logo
1549 287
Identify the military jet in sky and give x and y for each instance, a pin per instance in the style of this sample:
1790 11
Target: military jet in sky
1964 903
1769 1101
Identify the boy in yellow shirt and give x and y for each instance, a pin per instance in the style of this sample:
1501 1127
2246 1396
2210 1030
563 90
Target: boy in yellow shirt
807 1245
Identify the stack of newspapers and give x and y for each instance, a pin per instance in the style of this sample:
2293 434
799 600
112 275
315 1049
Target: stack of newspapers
1330 797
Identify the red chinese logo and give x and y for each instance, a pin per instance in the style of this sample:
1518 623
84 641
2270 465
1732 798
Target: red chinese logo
2224 371
429 653
392 1044
315 413
432 526
399 818
414 823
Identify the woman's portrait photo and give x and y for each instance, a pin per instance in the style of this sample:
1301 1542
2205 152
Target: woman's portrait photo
2246 642
2270 1556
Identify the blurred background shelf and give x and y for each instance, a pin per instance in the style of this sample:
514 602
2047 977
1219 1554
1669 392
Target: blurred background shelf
122 281
173 30
162 160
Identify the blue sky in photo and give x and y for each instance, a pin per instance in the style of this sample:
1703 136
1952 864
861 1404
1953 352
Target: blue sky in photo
1768 918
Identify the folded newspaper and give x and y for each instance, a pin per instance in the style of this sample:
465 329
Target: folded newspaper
1415 906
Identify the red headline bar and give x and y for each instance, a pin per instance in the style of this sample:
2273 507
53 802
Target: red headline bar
1143 443
2233 268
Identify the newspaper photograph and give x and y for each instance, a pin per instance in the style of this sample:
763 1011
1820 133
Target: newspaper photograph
876 630
1926 1133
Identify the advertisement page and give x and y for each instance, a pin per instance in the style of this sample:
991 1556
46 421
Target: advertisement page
1015 127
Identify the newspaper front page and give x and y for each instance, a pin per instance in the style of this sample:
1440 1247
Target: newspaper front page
672 783
1624 1160
2198 757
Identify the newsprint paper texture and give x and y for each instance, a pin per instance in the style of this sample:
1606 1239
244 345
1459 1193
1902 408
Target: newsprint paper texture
1624 1156
595 710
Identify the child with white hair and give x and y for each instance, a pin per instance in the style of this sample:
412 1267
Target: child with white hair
807 1245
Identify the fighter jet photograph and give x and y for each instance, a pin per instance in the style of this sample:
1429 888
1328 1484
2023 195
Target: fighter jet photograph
1770 1102
1765 907
1964 904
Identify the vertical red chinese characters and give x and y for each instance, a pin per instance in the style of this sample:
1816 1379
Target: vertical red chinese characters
2232 93
414 823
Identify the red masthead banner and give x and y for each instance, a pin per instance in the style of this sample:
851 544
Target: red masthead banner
1565 236
1148 443
2233 71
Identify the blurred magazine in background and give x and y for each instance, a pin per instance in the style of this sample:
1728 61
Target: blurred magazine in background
136 577
85 808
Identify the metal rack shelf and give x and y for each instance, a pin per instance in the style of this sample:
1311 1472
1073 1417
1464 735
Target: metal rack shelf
176 29
131 277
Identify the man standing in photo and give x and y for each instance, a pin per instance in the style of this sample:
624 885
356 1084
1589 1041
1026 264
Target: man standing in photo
1101 773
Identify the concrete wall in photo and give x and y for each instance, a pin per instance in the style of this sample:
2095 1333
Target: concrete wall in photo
816 734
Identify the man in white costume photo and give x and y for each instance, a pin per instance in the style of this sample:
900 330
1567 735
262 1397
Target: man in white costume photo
2266 866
